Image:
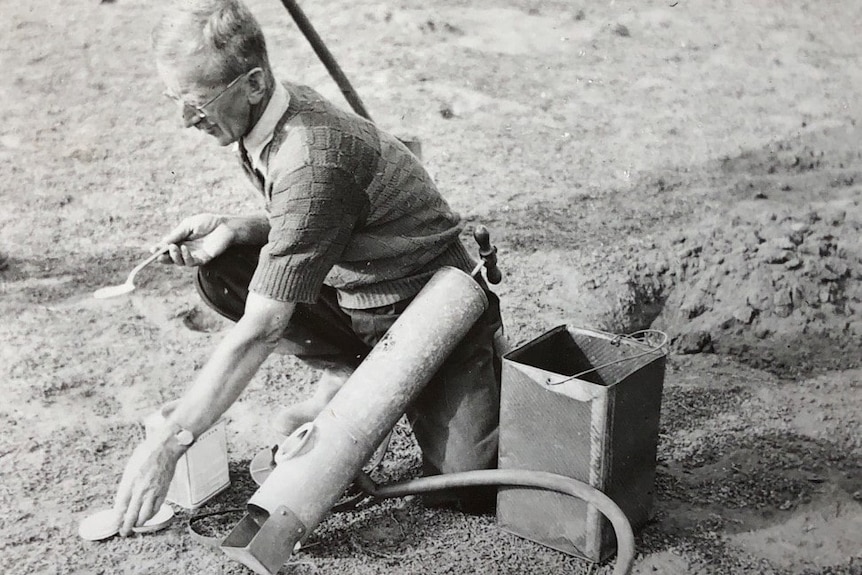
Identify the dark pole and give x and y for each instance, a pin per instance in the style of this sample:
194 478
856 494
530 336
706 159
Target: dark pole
326 57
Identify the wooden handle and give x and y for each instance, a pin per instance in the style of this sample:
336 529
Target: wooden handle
488 253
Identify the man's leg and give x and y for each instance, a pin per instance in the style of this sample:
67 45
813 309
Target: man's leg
333 377
319 330
455 418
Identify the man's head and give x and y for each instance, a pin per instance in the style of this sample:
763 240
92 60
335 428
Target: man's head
211 55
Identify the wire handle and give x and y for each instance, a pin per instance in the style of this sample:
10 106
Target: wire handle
616 340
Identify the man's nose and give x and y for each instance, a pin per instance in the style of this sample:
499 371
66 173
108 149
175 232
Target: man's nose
191 117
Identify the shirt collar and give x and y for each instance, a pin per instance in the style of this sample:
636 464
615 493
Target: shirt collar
261 134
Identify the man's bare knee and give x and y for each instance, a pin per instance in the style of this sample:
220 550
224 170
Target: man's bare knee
330 382
332 367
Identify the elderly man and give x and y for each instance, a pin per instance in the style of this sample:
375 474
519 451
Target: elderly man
354 228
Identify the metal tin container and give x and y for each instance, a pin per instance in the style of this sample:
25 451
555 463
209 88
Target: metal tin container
583 404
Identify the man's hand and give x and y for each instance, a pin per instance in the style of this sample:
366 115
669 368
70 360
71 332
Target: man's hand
145 482
197 240
237 358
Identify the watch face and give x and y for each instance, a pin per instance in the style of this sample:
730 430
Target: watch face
185 437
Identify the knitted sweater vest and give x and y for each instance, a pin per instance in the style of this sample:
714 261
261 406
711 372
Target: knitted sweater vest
351 207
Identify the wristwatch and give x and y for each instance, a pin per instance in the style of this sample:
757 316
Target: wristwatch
183 436
159 421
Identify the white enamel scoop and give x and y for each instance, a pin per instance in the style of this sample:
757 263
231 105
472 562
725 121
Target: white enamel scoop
129 285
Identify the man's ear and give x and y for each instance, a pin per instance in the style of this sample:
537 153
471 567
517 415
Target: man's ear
257 86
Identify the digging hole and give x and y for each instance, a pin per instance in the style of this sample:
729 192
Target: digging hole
639 306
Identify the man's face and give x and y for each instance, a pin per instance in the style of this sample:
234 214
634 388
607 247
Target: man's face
221 109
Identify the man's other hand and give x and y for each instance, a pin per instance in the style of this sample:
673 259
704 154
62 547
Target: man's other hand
196 241
145 483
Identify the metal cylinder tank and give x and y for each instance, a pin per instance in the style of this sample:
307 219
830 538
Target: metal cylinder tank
321 459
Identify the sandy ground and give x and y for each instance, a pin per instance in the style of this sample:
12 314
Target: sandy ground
622 153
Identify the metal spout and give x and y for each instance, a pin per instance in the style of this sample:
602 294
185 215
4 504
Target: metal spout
264 542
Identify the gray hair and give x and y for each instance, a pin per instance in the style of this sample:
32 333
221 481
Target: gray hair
223 32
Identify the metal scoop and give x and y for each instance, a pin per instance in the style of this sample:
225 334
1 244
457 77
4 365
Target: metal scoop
129 286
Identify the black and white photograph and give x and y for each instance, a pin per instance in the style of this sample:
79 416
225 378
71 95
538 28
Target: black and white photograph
489 287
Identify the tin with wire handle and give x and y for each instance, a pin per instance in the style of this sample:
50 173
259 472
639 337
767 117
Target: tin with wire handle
584 404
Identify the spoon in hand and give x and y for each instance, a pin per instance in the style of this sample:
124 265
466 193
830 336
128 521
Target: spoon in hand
129 286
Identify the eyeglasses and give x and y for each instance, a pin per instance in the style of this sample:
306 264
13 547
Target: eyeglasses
200 110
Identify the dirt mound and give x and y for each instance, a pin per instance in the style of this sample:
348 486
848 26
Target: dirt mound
777 288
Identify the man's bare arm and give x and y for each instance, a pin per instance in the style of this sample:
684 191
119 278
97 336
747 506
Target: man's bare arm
227 373
233 363
199 239
248 230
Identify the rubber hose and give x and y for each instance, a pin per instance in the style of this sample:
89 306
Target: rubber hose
520 478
